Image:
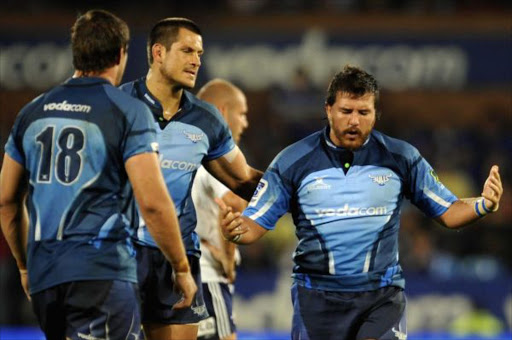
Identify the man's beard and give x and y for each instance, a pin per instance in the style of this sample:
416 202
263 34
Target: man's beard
360 138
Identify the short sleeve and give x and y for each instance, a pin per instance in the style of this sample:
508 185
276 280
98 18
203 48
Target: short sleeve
427 191
141 134
271 199
223 142
13 146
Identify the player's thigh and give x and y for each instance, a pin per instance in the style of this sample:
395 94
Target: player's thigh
170 332
219 303
322 315
48 306
90 309
159 294
387 319
102 309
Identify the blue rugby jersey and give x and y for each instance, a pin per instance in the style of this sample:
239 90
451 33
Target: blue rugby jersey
347 224
197 133
74 141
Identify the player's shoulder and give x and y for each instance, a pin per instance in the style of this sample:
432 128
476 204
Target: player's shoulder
34 104
205 109
30 111
396 146
129 87
296 152
124 100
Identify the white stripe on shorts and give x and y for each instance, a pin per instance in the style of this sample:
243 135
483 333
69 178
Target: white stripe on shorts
221 312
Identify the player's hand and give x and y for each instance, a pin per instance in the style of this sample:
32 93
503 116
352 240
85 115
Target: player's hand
185 283
228 266
493 189
24 282
230 222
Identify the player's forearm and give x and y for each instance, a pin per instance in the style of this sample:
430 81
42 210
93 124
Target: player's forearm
14 222
246 188
229 250
463 212
163 226
157 207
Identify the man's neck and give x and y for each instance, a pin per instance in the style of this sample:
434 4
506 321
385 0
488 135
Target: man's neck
109 75
168 95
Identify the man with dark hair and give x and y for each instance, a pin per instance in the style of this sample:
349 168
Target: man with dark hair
73 150
344 186
191 133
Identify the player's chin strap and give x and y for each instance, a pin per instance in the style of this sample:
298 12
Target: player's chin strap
481 210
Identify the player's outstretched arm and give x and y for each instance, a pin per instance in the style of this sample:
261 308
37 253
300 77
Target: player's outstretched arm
13 214
159 213
232 170
236 228
468 210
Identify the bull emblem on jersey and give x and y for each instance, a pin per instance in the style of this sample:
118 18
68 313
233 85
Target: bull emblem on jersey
380 179
319 184
194 137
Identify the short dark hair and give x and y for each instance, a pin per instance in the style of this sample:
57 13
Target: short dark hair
166 31
355 81
97 38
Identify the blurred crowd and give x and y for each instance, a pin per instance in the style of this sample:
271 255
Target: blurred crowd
270 6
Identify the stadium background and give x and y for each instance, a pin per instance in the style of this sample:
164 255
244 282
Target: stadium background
446 72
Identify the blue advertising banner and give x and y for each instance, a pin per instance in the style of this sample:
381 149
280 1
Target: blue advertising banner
257 61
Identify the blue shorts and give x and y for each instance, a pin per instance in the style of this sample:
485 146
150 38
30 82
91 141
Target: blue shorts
157 292
324 315
89 309
219 303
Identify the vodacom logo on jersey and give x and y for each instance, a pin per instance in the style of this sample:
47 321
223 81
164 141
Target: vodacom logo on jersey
177 165
347 210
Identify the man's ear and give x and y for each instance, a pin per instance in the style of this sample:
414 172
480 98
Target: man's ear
157 50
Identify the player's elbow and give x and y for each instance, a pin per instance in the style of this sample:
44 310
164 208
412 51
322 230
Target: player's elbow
154 207
11 200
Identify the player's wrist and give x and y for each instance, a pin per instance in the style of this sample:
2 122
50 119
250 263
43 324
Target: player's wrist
488 210
185 273
481 208
181 267
22 266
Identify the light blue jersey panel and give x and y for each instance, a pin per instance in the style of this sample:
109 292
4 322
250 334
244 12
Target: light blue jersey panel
182 148
354 206
63 169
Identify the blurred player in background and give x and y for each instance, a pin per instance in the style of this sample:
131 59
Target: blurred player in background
73 150
190 133
344 186
218 255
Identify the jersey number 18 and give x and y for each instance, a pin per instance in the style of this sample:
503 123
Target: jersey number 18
68 161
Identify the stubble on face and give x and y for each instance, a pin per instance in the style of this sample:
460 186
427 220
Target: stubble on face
182 60
351 119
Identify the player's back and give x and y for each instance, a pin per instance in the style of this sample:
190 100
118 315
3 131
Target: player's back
73 141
